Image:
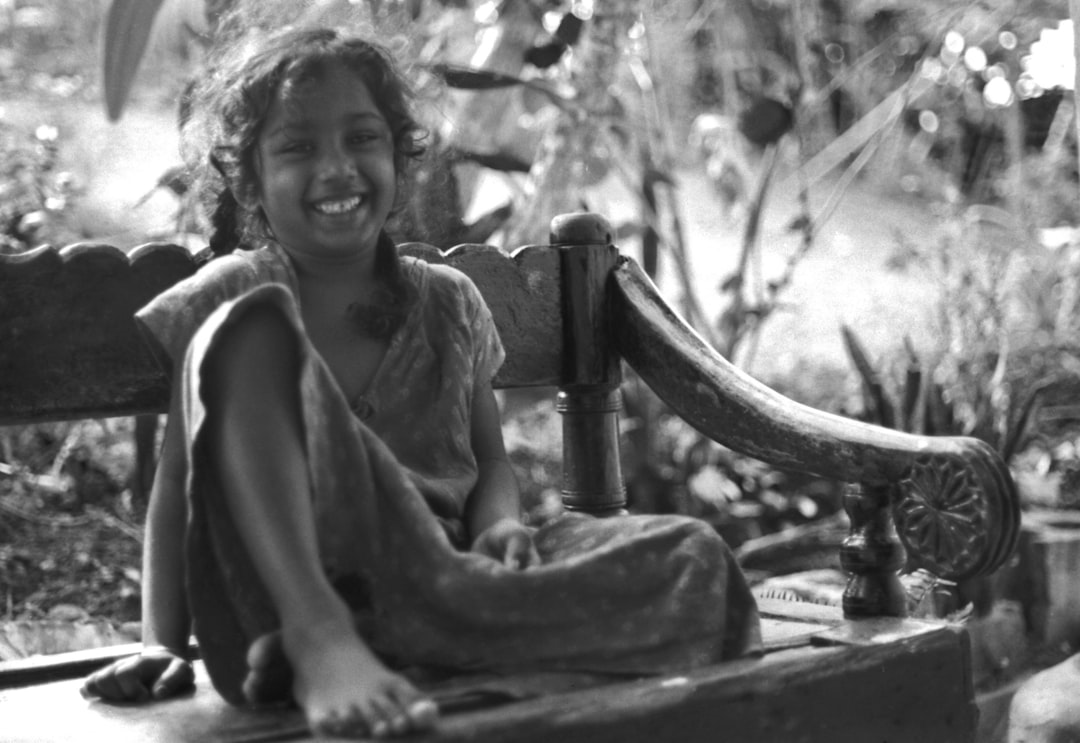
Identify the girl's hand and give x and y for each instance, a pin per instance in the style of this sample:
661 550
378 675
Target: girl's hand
156 673
510 542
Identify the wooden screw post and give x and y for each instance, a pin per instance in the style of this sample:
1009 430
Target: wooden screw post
592 474
589 398
872 554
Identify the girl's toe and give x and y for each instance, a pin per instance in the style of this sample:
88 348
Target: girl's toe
420 711
384 713
381 729
400 724
326 724
423 713
348 724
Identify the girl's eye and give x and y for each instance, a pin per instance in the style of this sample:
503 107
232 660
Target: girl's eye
365 137
295 146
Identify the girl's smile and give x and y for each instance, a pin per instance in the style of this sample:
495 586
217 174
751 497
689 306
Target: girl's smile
325 165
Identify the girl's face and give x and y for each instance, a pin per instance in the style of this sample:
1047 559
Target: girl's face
325 167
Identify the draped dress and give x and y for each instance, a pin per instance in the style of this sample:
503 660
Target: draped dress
390 473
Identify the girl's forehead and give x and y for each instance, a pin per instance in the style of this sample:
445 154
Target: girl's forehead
312 92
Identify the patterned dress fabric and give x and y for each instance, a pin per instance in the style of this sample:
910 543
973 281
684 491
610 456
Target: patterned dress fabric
390 474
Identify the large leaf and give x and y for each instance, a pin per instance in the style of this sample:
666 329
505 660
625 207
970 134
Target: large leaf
469 78
505 162
127 31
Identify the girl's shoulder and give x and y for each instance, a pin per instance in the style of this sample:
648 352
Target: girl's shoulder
173 316
233 273
263 262
441 283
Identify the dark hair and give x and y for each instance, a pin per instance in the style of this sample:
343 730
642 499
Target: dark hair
233 102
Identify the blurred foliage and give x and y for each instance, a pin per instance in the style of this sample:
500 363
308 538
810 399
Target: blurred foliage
1006 368
34 195
742 497
70 532
48 46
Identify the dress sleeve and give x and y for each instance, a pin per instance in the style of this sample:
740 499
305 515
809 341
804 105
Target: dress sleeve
488 353
171 318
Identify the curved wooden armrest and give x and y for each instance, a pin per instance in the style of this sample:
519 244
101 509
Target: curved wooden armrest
952 498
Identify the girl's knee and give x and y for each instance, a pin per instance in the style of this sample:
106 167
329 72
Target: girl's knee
693 528
700 538
258 344
260 330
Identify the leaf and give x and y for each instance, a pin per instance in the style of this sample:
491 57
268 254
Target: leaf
912 392
127 31
470 78
569 30
911 396
876 401
628 230
765 121
479 231
543 56
653 176
799 223
939 415
505 162
858 355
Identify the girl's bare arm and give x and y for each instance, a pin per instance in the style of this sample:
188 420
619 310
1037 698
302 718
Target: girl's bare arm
165 615
493 511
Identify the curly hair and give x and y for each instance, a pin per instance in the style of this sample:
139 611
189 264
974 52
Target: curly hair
230 107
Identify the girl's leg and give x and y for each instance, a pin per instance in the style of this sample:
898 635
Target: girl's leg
255 442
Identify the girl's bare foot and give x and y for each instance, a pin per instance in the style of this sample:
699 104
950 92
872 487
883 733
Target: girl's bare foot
345 690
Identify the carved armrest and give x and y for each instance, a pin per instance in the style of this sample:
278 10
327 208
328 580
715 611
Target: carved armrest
950 500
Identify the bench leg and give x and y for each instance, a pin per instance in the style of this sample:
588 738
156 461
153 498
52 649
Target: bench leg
872 554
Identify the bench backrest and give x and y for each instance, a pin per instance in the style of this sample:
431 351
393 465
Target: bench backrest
69 347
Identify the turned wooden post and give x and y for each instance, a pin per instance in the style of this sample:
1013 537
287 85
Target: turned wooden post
872 554
589 398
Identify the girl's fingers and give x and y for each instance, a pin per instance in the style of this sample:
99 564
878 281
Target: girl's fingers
99 684
178 677
106 684
515 552
127 680
521 552
533 559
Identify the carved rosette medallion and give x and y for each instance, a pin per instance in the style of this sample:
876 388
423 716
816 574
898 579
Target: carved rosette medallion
944 517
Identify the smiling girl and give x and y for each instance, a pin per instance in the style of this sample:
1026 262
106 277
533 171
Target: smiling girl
334 445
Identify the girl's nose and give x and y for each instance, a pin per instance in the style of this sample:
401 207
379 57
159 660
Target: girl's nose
335 162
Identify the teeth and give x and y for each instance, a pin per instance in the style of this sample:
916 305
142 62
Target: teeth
338 207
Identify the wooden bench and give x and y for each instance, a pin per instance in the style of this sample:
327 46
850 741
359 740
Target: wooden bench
569 314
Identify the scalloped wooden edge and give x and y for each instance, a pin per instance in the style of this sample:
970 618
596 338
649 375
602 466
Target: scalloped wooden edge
48 258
